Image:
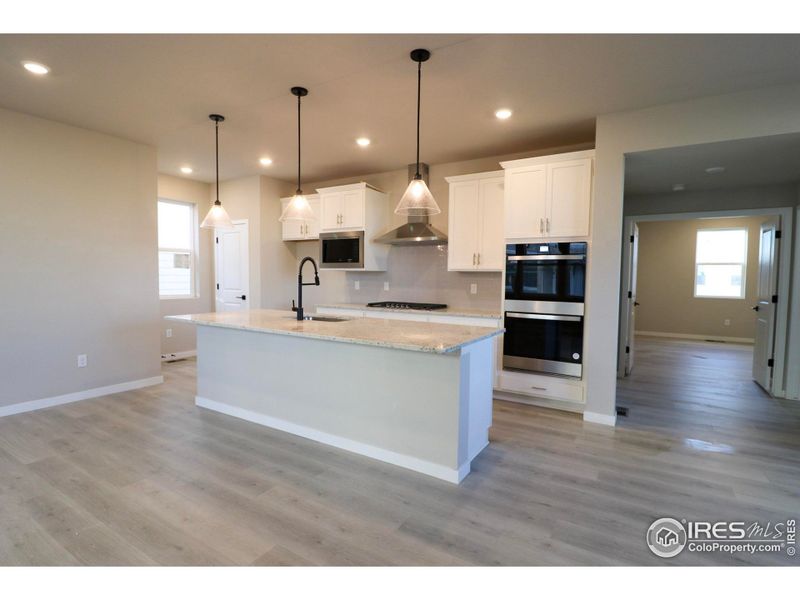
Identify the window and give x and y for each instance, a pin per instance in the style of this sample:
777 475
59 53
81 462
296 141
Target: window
720 263
176 256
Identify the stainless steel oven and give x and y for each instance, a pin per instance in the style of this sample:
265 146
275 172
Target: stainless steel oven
341 250
544 307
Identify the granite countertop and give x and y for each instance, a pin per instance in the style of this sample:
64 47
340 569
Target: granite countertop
448 312
437 338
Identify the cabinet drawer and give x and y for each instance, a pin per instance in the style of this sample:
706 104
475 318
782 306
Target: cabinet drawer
543 386
469 321
395 316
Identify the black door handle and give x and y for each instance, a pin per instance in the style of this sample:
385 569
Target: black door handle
242 297
755 308
636 304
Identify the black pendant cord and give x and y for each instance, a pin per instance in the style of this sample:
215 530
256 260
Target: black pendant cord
216 150
419 91
299 190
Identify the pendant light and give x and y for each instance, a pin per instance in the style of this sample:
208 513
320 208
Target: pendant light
298 208
217 217
418 201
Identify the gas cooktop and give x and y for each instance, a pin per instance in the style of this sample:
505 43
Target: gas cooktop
408 305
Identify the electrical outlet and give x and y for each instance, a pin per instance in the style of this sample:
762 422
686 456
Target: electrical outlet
385 286
169 333
473 288
357 284
82 360
727 322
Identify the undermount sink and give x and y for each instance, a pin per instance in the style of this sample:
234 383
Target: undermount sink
326 318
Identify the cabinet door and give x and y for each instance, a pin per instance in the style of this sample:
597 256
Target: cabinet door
569 195
462 243
312 227
353 210
525 202
292 230
491 246
330 211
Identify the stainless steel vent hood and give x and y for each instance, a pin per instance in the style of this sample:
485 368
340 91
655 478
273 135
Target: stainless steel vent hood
417 231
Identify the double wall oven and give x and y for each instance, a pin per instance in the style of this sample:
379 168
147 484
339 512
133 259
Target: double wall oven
544 307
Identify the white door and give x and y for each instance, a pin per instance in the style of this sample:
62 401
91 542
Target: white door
353 210
632 303
462 243
526 202
312 227
492 250
233 268
765 308
568 196
331 211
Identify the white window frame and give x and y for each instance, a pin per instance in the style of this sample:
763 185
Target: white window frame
193 260
743 265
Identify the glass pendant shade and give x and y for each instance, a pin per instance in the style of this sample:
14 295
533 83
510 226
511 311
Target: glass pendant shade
217 218
417 201
298 209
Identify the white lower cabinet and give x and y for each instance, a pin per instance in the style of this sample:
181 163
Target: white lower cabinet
541 386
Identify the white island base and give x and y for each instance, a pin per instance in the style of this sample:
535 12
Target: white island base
427 411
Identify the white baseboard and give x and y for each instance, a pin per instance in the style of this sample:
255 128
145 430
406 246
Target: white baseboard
388 456
21 407
601 419
178 355
692 336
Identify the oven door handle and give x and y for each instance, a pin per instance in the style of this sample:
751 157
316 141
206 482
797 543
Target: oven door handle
518 315
547 257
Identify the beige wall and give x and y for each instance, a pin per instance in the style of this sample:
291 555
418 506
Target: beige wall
754 113
183 336
414 273
78 259
665 285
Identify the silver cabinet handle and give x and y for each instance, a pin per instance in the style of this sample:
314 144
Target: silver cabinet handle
473 259
541 225
547 226
536 387
479 258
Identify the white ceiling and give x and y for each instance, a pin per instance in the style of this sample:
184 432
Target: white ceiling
160 89
753 161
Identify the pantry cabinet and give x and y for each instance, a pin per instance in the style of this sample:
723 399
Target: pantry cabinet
302 230
475 226
548 196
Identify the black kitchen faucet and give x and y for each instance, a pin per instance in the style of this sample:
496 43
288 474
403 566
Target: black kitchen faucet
299 308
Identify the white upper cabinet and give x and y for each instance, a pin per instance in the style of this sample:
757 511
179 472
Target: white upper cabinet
302 230
344 207
548 196
475 227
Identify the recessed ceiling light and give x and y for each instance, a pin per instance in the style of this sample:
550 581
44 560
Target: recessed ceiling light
713 170
265 161
35 67
503 113
186 170
363 142
678 187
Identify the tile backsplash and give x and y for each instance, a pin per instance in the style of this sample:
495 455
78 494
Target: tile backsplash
414 274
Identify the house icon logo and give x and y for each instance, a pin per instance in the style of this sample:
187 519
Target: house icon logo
666 537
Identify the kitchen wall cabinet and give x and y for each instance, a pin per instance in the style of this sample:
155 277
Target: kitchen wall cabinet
475 230
548 197
302 230
348 207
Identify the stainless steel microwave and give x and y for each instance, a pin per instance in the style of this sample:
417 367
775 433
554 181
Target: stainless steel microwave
341 250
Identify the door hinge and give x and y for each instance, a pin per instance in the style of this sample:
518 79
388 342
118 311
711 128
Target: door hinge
217 240
771 362
775 299
217 286
627 349
777 234
630 294
631 239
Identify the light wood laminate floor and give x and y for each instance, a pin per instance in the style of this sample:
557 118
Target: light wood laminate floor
145 477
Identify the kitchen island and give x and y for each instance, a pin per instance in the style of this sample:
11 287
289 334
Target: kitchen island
416 395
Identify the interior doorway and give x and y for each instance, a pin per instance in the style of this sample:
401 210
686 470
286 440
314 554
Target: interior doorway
232 267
